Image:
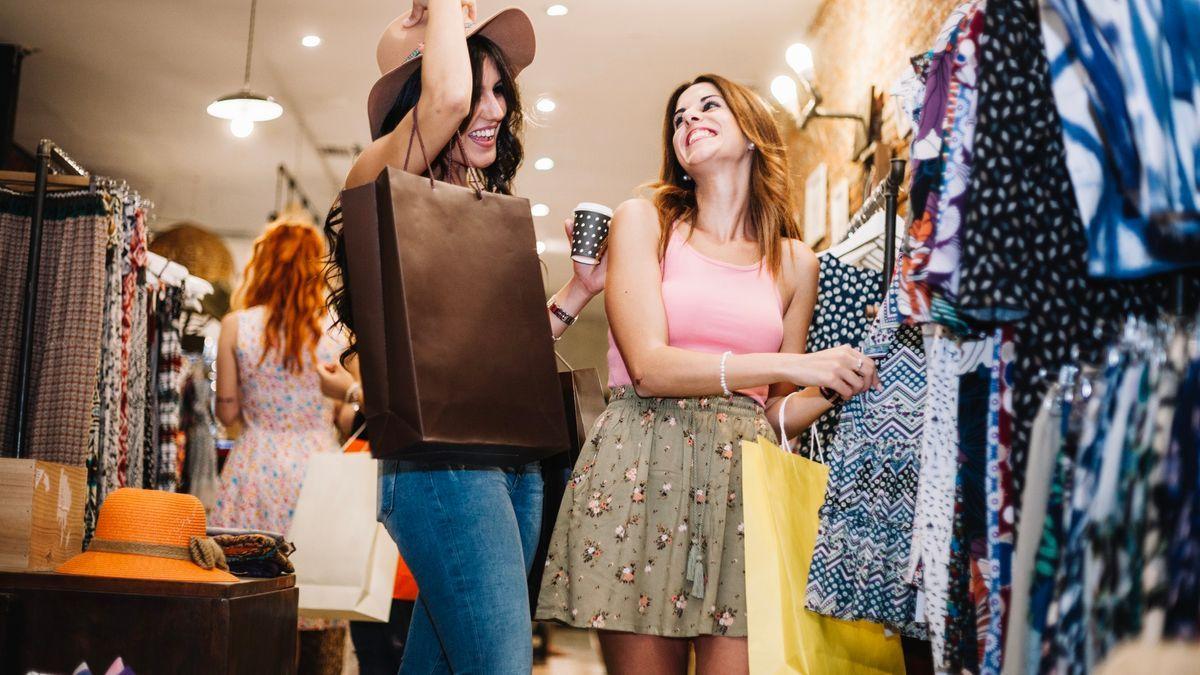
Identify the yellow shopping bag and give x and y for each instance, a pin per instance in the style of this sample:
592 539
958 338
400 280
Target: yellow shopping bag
782 494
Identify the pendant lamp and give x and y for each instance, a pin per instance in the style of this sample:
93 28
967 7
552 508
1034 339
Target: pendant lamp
245 107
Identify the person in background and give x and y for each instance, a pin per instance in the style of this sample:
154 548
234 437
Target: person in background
709 298
378 646
467 532
267 358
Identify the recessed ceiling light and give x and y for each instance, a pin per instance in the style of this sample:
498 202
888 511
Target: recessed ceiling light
544 164
556 10
546 104
310 40
541 247
540 210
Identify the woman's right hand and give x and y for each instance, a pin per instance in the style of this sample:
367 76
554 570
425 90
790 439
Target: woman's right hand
419 7
843 369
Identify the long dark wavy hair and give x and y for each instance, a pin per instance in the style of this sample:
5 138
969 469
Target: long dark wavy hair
497 177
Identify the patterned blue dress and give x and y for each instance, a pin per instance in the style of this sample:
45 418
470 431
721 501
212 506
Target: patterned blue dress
865 535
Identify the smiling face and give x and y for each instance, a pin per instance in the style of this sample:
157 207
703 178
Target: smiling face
479 136
706 133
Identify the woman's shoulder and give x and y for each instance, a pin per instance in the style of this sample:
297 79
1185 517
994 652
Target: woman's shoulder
638 212
800 266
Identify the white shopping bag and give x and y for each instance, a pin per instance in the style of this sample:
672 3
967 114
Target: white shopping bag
345 561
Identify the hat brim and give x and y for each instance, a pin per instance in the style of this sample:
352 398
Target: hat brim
127 566
510 29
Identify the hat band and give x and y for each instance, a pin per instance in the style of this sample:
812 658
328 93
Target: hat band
201 550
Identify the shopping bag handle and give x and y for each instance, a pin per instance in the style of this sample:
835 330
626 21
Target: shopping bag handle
817 455
416 131
353 437
783 439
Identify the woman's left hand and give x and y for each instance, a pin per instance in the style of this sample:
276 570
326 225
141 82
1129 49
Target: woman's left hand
590 277
335 380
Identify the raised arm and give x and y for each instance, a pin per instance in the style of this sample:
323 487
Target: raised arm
639 324
446 83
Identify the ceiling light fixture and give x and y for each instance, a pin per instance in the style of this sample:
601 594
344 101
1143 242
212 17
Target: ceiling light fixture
311 40
540 210
246 107
557 10
546 104
241 127
544 164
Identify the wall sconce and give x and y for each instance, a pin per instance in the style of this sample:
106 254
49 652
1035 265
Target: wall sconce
785 90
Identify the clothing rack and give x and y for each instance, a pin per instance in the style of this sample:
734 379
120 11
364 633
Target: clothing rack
50 158
886 195
55 171
294 191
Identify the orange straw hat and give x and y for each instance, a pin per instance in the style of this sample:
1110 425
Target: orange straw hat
150 534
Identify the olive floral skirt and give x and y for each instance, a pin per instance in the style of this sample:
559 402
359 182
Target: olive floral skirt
649 536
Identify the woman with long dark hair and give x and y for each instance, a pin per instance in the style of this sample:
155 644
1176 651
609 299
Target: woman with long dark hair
468 533
709 298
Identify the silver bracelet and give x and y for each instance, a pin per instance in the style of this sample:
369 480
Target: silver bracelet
724 383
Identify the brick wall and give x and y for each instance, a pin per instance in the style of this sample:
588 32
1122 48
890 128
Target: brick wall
857 44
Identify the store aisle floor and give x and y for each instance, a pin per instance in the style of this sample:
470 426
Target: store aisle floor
574 653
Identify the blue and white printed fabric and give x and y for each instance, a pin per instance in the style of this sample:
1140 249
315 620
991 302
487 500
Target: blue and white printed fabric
1127 86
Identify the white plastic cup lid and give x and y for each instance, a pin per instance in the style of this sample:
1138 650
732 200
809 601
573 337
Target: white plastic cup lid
591 206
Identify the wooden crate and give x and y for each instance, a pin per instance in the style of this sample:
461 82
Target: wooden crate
41 513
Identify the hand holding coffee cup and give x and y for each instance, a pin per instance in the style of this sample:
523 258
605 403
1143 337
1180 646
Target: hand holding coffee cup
589 232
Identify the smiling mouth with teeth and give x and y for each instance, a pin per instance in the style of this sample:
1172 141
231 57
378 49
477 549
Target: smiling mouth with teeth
483 134
697 134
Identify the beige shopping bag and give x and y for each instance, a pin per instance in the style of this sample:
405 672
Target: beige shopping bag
345 560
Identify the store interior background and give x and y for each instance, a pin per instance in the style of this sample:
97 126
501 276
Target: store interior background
122 85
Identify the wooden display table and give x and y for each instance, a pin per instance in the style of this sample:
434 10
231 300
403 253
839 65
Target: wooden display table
52 622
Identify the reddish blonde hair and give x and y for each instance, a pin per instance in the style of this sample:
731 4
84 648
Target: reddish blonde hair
285 276
771 199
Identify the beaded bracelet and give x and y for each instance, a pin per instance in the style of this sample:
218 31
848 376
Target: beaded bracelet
724 383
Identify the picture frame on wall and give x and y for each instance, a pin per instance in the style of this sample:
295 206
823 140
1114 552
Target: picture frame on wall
815 194
839 211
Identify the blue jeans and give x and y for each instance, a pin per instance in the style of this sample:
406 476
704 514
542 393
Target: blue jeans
468 534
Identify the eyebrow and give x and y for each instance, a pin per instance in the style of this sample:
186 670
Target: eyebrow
679 110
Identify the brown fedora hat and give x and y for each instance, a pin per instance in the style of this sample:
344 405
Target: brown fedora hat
400 50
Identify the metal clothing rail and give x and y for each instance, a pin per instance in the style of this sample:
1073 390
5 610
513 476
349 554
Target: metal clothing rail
886 195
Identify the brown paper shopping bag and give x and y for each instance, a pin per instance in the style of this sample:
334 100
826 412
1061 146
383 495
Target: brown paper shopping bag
449 313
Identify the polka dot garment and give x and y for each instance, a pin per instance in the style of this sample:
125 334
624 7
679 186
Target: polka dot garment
840 318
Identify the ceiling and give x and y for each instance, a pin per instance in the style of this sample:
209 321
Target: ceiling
122 85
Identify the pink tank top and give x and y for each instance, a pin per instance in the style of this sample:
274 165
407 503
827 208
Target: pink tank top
713 307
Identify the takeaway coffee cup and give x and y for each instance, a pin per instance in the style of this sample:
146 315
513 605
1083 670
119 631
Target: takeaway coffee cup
590 232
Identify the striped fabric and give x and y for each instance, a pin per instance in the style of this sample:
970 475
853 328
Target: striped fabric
66 339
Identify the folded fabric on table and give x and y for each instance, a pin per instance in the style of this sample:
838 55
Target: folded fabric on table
256 554
218 531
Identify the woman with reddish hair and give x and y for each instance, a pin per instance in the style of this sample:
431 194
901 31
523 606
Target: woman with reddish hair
267 379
